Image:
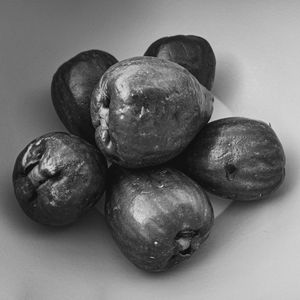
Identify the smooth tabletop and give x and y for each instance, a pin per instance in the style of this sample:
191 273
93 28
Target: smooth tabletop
253 251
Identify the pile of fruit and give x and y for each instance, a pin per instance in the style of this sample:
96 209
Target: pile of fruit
140 131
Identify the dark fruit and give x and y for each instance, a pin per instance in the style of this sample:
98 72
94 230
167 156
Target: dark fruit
58 177
146 110
236 158
158 216
192 52
71 90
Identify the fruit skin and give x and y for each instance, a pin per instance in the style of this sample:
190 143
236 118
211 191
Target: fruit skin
71 89
58 177
190 51
158 216
236 158
146 110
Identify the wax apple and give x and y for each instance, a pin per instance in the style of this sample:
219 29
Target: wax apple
72 86
147 110
58 177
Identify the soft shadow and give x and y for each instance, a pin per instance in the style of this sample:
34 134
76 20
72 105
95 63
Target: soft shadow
234 216
40 111
219 204
18 220
228 79
90 229
9 206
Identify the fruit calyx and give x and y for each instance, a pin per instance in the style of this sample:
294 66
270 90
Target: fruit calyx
103 124
37 177
187 242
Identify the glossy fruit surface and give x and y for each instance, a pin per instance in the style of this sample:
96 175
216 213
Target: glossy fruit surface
236 158
158 216
146 110
58 177
190 51
71 90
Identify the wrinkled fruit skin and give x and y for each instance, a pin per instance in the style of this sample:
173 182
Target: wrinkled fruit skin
236 158
58 177
192 52
158 216
146 110
71 89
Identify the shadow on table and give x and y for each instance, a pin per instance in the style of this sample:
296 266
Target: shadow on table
234 218
40 111
228 79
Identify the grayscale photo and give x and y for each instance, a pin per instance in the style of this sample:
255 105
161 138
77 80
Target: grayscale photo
149 150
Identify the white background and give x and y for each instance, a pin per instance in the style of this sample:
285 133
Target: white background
254 249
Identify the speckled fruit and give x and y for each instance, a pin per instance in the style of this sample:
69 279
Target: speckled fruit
146 110
158 217
58 177
190 51
71 90
236 158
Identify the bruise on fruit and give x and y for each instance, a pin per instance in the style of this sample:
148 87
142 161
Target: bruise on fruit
230 171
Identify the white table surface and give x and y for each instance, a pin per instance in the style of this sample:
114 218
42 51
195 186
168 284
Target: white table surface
254 248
